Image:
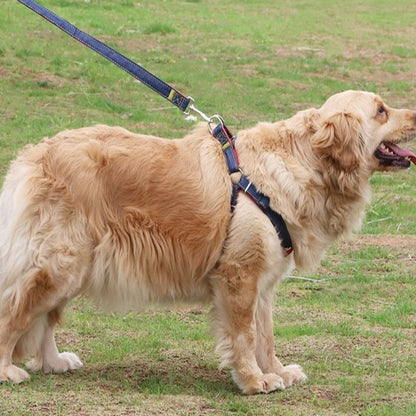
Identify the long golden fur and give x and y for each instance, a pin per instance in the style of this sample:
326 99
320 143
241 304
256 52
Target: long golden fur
128 219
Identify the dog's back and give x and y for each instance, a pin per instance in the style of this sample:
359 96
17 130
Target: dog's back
95 211
99 207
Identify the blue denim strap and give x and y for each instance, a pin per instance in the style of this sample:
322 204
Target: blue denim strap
226 139
276 219
135 70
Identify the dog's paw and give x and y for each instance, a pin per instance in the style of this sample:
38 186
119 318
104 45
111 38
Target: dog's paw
34 364
292 374
266 383
65 361
272 382
13 374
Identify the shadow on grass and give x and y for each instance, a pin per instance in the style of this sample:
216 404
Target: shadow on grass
174 375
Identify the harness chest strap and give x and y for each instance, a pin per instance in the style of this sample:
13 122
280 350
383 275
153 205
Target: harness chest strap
226 139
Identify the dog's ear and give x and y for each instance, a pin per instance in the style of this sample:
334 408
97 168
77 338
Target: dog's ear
311 120
340 139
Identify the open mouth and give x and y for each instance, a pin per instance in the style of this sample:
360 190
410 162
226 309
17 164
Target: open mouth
389 154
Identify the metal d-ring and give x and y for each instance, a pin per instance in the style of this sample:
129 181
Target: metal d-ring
211 120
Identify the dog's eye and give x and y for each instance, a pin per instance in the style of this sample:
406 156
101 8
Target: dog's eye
381 110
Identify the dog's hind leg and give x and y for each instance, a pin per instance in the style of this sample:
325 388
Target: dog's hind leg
47 358
21 313
28 315
8 339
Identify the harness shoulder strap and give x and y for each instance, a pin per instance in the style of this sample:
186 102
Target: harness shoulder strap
226 139
276 219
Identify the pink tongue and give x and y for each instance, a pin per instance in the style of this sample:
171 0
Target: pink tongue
401 152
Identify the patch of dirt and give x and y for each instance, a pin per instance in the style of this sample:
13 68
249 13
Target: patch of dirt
135 44
401 246
44 79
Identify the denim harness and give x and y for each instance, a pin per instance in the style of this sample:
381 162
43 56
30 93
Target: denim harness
185 104
226 139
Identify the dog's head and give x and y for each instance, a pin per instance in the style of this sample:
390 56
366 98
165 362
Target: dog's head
357 129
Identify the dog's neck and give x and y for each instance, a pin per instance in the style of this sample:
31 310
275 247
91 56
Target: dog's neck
318 205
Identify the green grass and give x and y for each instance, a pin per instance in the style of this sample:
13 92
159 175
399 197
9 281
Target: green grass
352 324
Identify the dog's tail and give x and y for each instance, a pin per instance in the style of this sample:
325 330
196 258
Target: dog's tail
19 218
17 213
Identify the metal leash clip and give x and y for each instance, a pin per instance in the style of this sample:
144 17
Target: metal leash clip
210 120
192 107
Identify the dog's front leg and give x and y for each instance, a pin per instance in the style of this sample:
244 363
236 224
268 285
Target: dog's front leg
235 299
265 349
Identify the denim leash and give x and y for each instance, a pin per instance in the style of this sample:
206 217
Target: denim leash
185 104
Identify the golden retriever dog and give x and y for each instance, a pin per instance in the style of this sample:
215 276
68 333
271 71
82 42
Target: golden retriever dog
129 219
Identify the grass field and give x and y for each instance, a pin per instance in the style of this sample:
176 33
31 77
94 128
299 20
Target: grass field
352 325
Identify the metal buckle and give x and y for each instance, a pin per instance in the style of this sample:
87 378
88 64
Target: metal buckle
190 107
